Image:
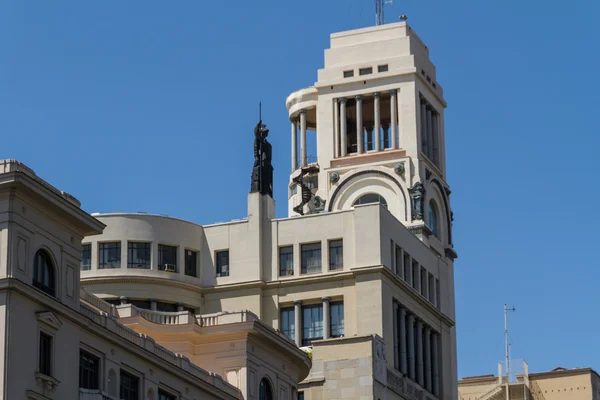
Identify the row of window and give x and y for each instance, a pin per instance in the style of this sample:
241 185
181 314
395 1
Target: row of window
312 322
409 270
365 71
310 258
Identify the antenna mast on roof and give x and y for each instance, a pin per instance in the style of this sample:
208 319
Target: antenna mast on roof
379 12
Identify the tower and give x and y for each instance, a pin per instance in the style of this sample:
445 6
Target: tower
378 115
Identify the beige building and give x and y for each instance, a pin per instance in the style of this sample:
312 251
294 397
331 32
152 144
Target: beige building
558 384
361 272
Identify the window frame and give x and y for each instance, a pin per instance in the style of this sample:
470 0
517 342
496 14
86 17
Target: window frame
340 266
130 250
340 331
45 364
304 269
349 73
383 68
45 271
290 331
286 271
432 210
381 200
98 370
163 251
268 394
133 375
101 263
187 270
163 394
365 71
86 248
307 340
219 266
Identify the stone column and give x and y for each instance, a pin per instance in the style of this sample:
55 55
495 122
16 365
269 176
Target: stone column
402 328
153 304
394 119
410 330
298 322
179 306
326 318
336 129
294 145
428 359
419 335
303 138
423 126
429 135
343 128
435 364
359 126
436 138
396 337
377 123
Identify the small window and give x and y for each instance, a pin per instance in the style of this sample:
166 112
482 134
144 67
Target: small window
191 258
300 395
365 71
287 323
86 257
130 386
433 218
109 255
264 390
336 317
312 324
382 68
311 258
45 356
336 254
286 261
89 371
167 258
222 263
293 190
138 255
43 273
370 198
162 395
349 73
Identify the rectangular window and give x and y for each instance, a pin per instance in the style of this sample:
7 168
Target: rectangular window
423 282
311 258
399 267
407 264
382 68
167 258
86 257
222 263
312 324
431 290
415 275
287 323
162 395
293 189
138 255
336 254
191 258
89 371
286 261
130 386
365 71
336 311
109 255
300 395
45 356
349 73
438 301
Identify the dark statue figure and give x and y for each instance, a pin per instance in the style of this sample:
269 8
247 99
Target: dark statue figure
262 173
417 195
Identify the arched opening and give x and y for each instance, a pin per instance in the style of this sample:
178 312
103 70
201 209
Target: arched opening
433 219
43 273
264 390
370 198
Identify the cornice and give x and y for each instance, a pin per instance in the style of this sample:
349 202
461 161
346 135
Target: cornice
140 280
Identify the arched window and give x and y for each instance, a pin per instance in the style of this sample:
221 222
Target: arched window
433 219
264 390
370 198
43 273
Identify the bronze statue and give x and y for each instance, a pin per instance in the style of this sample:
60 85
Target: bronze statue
262 172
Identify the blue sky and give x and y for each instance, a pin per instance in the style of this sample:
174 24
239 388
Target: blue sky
150 105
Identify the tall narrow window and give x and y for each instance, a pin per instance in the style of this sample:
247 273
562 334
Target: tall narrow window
109 255
264 390
167 258
89 371
415 274
312 324
138 255
433 219
86 257
45 355
162 395
431 289
336 311
438 300
311 258
287 323
286 261
130 386
399 259
423 282
336 254
222 263
407 267
191 258
43 273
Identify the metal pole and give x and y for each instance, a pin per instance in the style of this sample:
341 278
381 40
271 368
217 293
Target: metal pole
506 351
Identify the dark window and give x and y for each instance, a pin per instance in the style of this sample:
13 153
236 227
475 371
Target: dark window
349 73
129 386
86 257
407 267
143 304
311 258
43 273
286 261
166 307
370 198
300 395
336 311
162 395
293 190
138 255
336 254
423 281
437 293
89 370
287 323
415 274
398 257
431 291
433 219
45 364
312 324
109 255
264 390
191 258
365 71
167 258
222 263
382 68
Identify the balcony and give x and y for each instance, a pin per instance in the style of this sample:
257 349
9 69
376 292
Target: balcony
87 394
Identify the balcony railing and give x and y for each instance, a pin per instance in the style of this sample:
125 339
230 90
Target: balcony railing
87 394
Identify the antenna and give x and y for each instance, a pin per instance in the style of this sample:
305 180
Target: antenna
379 12
506 310
260 110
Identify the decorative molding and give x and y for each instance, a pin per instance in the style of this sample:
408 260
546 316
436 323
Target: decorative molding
47 382
49 319
450 253
334 177
399 168
31 395
420 230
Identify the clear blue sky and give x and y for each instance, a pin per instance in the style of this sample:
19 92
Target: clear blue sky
150 105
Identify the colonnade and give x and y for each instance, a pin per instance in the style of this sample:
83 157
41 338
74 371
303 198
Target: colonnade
416 349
